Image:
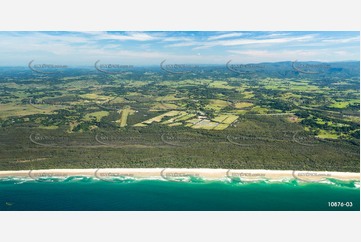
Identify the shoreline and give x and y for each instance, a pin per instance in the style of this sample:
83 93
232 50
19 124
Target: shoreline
179 174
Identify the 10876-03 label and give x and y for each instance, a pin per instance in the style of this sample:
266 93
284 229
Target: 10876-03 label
340 204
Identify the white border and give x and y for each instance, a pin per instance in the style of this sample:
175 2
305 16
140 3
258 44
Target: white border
180 15
180 226
85 15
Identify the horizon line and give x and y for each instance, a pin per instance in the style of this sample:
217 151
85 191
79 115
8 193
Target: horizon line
191 63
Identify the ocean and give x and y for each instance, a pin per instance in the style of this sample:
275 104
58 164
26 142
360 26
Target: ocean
90 194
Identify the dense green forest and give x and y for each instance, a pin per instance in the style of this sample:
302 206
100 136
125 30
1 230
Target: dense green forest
274 117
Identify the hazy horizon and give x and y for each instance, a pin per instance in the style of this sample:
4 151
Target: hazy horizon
26 65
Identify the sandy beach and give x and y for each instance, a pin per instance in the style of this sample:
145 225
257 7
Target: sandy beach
184 173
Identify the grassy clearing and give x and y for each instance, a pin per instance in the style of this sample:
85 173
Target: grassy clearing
136 84
159 118
221 127
248 95
240 112
96 115
355 119
259 110
174 118
174 124
289 95
230 119
220 118
184 117
118 100
140 125
220 84
320 121
243 105
72 125
193 121
163 106
327 135
124 116
344 104
170 97
14 110
51 127
339 104
94 96
217 104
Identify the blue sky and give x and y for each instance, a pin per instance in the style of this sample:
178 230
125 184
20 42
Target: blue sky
150 48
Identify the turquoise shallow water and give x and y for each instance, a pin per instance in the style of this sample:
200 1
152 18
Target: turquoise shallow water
87 194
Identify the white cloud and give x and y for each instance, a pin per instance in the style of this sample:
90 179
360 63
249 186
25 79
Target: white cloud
175 39
184 44
235 42
225 36
257 56
136 36
342 41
